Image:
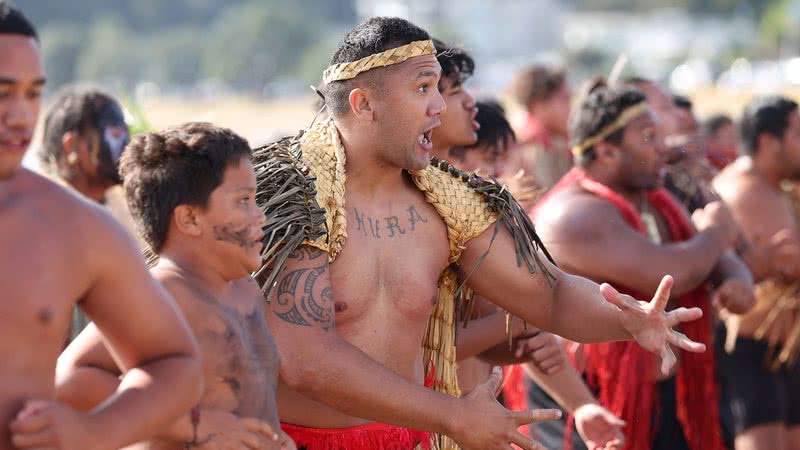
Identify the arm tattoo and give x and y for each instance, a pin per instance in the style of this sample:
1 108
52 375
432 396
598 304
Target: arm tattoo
301 298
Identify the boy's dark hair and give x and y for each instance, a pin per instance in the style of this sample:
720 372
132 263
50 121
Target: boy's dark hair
765 115
457 65
600 108
178 166
495 133
12 21
536 83
375 35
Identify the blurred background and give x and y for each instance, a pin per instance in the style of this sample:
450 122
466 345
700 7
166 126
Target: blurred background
248 64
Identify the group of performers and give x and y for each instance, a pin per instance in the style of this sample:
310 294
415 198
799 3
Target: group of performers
359 285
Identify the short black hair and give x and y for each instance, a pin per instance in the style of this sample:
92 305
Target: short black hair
765 115
682 102
715 123
535 83
74 109
457 65
12 21
494 128
178 166
600 108
375 35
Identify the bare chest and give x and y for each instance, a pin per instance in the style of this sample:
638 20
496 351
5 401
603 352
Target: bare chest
391 261
39 285
240 359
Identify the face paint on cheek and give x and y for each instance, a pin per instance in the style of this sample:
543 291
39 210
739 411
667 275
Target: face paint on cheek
115 138
113 131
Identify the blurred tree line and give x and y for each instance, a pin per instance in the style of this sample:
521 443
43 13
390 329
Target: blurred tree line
267 47
258 46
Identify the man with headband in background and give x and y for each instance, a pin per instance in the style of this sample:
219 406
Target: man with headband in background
613 204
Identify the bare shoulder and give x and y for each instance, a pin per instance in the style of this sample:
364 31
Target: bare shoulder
181 289
736 184
66 211
574 214
247 288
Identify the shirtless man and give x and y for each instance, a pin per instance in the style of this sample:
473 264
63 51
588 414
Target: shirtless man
545 96
760 373
60 250
611 204
392 263
192 191
83 137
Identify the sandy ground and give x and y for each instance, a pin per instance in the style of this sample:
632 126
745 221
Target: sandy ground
258 121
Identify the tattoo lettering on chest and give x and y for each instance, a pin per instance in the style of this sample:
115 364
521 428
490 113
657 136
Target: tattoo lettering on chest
393 226
302 297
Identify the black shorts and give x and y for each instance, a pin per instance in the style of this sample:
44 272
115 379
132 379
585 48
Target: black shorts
667 431
550 433
750 393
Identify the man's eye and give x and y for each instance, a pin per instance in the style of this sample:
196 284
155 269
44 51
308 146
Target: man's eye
423 88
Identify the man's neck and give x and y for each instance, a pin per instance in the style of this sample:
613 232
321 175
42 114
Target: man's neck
195 265
766 169
366 173
635 197
441 151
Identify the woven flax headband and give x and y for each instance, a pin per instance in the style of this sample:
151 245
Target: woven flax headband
349 70
624 119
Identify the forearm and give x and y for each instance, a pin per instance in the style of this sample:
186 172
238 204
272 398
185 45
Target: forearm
579 312
501 355
481 335
149 398
86 387
690 263
731 267
371 391
566 387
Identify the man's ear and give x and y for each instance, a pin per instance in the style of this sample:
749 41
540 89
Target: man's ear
186 220
359 99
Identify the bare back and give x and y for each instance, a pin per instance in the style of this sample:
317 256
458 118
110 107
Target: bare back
385 282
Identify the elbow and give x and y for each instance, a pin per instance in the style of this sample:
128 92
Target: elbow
300 374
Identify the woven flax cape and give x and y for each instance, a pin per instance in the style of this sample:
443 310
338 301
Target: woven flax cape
468 204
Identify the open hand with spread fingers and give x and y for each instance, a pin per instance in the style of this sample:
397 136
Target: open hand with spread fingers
481 423
651 326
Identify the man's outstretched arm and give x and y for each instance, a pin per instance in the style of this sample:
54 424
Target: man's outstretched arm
573 307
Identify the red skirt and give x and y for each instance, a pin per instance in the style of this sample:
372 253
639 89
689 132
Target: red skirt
372 436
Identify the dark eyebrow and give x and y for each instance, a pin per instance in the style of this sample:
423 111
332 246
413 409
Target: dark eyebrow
428 74
39 82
